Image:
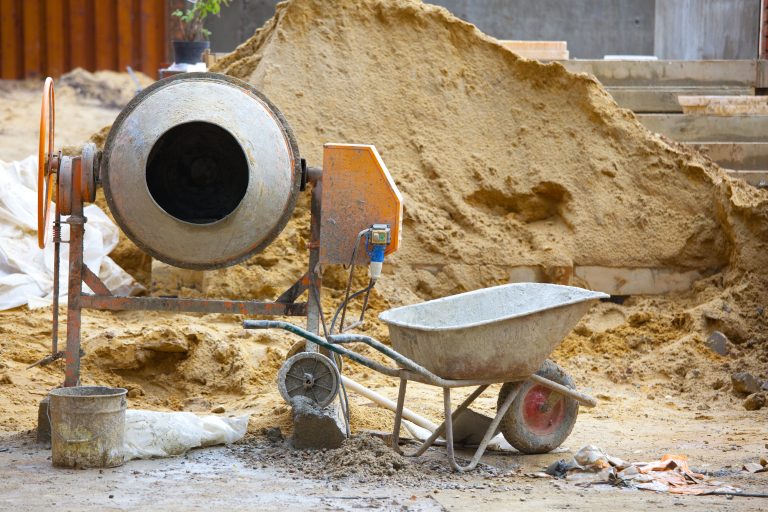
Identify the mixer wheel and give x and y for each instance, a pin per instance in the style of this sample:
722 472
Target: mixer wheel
301 346
310 375
539 419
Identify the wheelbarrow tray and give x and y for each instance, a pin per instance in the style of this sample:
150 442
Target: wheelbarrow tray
503 333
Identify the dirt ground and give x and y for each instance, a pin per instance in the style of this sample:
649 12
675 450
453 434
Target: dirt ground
661 389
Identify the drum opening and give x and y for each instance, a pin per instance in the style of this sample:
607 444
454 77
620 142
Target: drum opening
197 172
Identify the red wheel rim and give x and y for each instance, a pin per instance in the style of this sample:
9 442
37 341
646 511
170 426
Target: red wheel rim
543 410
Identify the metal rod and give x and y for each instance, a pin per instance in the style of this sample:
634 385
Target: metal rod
316 279
492 428
449 416
583 399
56 272
76 223
232 307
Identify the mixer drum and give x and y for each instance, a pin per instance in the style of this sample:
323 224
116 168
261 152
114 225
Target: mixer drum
201 171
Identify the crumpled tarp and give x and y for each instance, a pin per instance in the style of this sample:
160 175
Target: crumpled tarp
26 271
150 434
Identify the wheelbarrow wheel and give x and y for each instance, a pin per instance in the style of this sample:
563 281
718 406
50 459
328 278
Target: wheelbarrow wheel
311 375
539 419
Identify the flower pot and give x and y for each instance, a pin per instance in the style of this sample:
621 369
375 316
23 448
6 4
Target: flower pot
189 52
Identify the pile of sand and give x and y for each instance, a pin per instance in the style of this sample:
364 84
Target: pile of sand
502 162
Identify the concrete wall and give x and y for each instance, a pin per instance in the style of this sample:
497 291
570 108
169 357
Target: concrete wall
707 29
238 22
592 28
683 29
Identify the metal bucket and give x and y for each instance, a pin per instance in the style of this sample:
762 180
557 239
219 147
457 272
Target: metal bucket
87 427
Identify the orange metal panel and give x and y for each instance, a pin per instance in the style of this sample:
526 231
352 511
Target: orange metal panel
55 45
125 39
105 42
31 38
10 39
357 191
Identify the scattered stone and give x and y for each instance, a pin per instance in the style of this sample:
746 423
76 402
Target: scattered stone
717 342
754 467
219 409
274 434
745 383
756 401
135 392
5 379
718 384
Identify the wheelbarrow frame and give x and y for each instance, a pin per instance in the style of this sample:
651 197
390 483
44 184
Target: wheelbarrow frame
410 370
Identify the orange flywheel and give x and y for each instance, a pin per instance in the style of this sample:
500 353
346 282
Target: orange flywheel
45 161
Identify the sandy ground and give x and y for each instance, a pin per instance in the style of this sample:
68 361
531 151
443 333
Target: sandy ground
234 478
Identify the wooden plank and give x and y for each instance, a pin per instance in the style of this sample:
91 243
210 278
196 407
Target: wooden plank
31 37
105 43
55 54
540 50
706 128
668 72
664 99
78 34
637 281
724 105
10 36
125 38
736 155
152 32
754 178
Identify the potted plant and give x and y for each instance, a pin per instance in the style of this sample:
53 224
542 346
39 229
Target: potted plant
194 35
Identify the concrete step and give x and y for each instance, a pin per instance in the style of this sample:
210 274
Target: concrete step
647 99
745 73
707 128
736 155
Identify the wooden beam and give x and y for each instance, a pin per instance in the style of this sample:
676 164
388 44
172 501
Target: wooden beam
669 72
32 39
707 128
754 178
10 36
736 155
664 99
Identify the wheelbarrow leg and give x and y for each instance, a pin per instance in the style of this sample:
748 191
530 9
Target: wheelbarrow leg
399 416
488 434
439 430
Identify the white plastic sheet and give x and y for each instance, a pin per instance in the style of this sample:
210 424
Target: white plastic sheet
26 272
151 434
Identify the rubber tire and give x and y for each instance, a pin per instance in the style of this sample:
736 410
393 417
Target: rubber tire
514 428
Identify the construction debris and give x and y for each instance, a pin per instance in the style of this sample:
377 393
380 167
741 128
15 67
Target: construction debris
591 466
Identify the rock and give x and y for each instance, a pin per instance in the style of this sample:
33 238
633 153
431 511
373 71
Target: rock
5 379
219 409
753 467
273 434
135 392
173 345
717 342
756 401
745 383
314 427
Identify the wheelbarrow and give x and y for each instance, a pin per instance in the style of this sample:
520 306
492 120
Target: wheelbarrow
502 334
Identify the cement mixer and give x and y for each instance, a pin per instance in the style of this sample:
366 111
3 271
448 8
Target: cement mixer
201 171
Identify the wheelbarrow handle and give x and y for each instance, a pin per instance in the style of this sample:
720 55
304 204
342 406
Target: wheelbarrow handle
314 338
